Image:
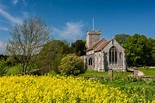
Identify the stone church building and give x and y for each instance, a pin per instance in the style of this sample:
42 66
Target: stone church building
103 54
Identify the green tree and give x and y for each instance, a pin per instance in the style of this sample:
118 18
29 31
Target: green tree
121 38
79 47
13 60
71 64
27 39
138 50
51 54
3 67
153 51
3 57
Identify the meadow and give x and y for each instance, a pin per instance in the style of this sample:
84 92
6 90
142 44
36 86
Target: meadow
61 89
148 71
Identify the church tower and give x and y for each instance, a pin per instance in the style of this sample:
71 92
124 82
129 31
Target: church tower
92 37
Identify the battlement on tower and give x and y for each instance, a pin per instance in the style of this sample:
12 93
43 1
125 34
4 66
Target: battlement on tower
92 37
94 32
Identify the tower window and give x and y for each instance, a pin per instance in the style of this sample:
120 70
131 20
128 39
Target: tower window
113 55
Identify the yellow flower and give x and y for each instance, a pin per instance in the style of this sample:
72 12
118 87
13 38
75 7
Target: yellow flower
59 89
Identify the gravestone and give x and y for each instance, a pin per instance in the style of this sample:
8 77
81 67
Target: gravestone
135 72
110 73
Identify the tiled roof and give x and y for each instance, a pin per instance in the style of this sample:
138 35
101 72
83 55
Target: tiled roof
93 45
102 45
99 45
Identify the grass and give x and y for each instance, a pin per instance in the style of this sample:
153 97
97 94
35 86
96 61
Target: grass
90 73
148 71
120 79
121 74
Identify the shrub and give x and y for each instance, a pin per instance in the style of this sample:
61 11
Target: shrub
71 64
52 73
14 70
3 67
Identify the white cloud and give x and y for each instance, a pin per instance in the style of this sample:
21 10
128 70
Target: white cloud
4 28
14 2
2 6
72 31
2 47
10 17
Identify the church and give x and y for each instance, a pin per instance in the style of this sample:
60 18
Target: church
103 54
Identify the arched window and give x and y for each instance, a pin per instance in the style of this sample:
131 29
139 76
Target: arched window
90 61
113 55
120 55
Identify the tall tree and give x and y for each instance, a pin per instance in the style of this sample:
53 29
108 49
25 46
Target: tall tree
121 38
138 50
153 51
27 39
52 53
79 47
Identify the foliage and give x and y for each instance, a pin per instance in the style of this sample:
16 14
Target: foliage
13 60
79 47
3 57
45 89
121 38
71 64
40 71
27 39
52 73
3 67
153 52
15 70
138 50
51 54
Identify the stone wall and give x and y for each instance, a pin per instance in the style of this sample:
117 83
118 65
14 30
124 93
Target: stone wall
92 37
93 62
121 61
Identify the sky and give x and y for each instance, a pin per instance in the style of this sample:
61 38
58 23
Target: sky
70 19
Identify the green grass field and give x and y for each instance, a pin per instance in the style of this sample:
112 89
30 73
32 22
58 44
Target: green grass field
90 73
121 79
148 71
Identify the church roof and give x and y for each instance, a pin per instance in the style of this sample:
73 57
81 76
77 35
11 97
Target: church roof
99 45
102 45
94 45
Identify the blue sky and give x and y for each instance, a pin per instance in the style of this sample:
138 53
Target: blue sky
70 19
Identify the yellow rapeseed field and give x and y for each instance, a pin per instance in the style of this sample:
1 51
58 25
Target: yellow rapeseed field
59 89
